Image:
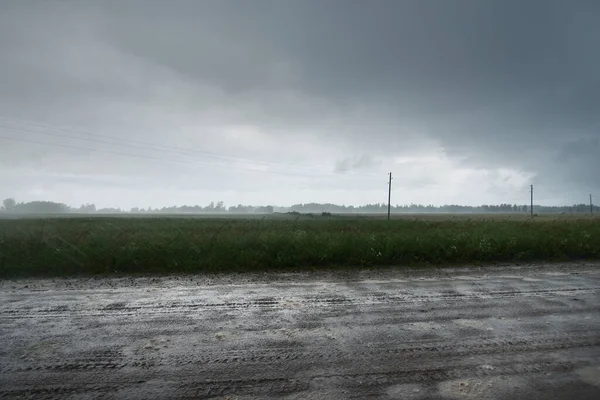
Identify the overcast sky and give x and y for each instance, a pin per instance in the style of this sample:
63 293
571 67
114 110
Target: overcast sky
154 102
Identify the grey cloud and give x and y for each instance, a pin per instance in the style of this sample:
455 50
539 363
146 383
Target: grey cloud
533 63
503 83
355 163
578 163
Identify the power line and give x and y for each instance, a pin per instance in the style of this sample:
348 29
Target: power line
86 139
164 159
112 143
170 148
145 157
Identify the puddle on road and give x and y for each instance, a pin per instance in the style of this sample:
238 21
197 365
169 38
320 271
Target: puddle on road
407 391
422 326
487 388
590 375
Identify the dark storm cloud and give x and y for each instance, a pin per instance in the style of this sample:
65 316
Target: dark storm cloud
503 71
430 56
578 162
497 84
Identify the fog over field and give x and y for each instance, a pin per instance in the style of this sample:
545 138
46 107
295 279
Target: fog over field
155 103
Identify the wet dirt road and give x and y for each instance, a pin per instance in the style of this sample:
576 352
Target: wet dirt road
501 332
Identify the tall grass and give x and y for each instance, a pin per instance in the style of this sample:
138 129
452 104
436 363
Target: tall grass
58 247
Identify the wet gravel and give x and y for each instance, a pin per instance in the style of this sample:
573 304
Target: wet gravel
504 331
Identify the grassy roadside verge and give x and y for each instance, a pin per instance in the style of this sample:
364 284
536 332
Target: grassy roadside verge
86 246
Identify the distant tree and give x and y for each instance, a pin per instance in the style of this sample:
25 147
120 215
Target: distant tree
109 210
87 208
9 204
262 210
210 207
240 208
40 207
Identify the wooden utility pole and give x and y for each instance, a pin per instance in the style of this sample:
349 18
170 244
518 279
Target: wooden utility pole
531 207
591 205
389 195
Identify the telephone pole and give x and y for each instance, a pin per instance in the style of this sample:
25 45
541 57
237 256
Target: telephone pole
531 207
591 205
389 195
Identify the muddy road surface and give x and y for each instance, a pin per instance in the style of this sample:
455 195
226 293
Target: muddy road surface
529 332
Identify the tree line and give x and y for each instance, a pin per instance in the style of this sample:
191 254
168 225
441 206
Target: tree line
448 208
49 207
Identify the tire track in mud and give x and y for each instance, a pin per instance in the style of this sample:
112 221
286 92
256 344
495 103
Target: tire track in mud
123 309
57 391
357 381
357 337
191 388
284 355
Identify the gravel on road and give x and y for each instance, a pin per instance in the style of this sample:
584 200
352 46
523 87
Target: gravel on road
528 331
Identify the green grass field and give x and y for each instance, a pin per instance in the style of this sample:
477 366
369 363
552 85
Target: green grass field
158 244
